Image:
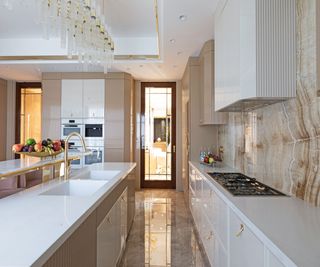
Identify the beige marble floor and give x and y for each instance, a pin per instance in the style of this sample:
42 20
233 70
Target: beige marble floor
162 234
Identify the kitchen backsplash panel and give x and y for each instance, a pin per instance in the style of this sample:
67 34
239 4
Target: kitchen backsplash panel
280 144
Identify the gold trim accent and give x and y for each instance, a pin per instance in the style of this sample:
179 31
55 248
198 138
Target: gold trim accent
116 57
29 169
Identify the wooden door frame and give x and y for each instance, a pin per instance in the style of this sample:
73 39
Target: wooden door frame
159 184
19 87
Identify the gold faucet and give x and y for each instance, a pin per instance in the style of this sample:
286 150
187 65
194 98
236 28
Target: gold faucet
66 150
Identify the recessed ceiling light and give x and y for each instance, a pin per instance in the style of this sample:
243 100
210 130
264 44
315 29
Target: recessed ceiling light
183 18
172 41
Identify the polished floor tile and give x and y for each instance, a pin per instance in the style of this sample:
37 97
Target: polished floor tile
162 234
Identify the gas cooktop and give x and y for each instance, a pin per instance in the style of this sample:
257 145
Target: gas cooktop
240 185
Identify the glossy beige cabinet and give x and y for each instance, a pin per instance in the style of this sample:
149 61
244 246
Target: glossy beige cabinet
198 136
51 108
3 118
118 117
112 234
207 88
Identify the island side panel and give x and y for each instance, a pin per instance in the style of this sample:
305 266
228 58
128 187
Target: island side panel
80 249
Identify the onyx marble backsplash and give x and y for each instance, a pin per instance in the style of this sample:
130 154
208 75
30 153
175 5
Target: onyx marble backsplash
280 144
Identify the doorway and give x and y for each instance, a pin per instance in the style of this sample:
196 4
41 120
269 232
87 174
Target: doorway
158 135
28 111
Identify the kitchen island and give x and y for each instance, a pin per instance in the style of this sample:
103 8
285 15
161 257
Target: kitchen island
57 223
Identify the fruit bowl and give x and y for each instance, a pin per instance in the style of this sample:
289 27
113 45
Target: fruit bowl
40 154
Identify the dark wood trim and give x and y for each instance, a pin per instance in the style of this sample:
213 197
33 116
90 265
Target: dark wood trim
19 86
158 184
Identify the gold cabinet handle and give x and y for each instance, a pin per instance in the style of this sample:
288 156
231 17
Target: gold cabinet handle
240 231
210 235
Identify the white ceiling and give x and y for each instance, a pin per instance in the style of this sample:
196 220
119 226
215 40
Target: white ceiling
127 19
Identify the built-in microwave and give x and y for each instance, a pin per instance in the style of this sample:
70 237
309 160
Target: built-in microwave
93 129
71 125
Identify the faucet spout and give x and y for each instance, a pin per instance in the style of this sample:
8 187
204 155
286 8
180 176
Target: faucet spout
66 151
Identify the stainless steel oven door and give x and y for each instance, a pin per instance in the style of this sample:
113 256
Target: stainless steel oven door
97 156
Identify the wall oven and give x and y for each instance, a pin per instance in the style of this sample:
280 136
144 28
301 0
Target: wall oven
93 129
71 125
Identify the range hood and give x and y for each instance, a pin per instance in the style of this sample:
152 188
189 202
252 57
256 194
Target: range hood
255 54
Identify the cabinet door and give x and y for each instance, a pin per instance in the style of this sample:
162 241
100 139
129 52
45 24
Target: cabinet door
93 98
208 237
124 213
106 236
71 98
109 238
245 248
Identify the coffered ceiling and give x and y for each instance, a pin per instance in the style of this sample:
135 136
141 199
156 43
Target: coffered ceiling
152 42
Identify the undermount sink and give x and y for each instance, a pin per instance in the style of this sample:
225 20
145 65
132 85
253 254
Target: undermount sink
79 188
98 175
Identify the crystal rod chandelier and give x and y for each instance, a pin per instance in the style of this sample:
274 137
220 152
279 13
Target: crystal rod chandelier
80 25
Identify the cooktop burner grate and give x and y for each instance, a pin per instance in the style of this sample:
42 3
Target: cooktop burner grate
241 185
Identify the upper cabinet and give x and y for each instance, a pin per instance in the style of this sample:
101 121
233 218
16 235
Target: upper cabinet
93 98
255 53
71 99
207 88
82 98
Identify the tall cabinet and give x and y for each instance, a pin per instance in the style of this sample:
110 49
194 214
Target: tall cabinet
208 115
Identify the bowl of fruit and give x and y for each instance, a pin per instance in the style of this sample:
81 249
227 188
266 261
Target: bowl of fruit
44 148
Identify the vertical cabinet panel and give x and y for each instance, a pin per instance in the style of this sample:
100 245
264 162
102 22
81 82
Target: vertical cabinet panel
93 98
208 116
71 99
245 248
112 233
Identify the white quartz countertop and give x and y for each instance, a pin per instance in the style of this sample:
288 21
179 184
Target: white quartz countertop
33 226
288 225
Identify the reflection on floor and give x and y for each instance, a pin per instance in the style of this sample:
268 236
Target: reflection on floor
162 234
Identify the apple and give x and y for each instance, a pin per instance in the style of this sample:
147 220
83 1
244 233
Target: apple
17 147
38 147
57 146
211 160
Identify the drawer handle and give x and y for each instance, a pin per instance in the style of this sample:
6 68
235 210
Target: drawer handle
240 231
210 235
